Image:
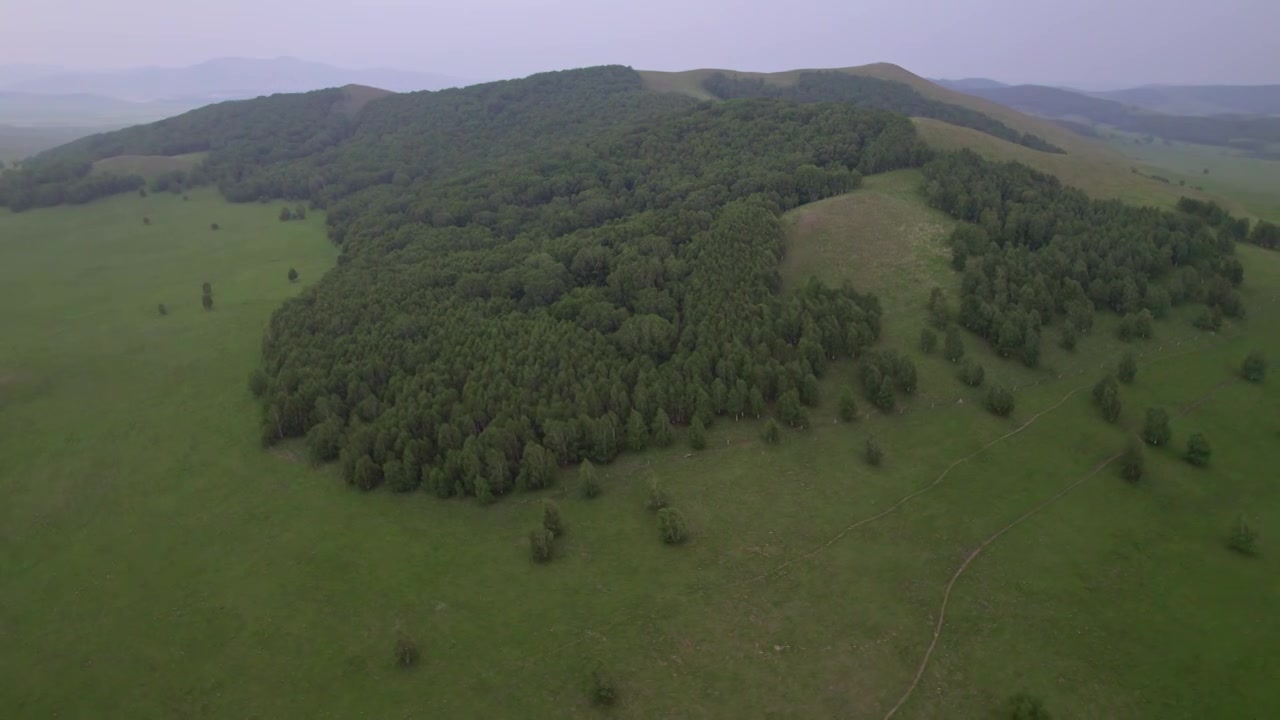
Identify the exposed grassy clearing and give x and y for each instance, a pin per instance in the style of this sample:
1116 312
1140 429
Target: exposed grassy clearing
147 165
158 563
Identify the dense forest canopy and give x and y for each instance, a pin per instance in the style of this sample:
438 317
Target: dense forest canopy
540 271
831 86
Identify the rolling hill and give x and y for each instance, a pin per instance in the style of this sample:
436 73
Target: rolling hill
1200 99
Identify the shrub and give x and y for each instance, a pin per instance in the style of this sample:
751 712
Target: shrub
657 496
873 453
587 480
1155 430
1027 707
999 400
1198 450
293 275
406 652
1132 463
1242 538
671 526
972 374
697 435
1127 369
848 406
162 309
603 691
551 519
772 435
540 544
928 341
214 226
1254 368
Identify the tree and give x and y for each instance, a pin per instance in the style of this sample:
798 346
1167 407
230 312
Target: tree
1106 396
872 452
999 400
1067 337
399 477
972 374
324 441
661 434
671 526
367 474
1127 369
953 348
790 411
300 212
1198 450
146 220
1254 368
1027 707
551 519
1155 429
1242 538
162 309
697 435
142 192
285 214
541 542
637 432
214 226
772 435
657 496
603 690
848 406
206 296
293 275
1132 462
588 481
406 651
928 341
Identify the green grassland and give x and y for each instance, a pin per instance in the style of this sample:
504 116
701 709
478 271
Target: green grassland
159 563
1252 181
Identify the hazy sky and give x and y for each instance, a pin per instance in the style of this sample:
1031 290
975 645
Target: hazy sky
1096 42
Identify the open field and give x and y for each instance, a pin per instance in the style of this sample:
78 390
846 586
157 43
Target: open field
148 166
1251 181
158 563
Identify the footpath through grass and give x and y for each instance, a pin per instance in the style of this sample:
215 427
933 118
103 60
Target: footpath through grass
158 563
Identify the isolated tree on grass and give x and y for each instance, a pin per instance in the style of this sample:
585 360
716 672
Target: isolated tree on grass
285 214
541 542
162 309
1155 430
1127 369
1198 450
661 429
588 482
206 296
671 526
697 435
972 374
1027 707
1132 463
146 221
872 452
953 348
848 406
1106 395
999 401
551 519
293 275
657 496
214 226
1242 538
772 434
928 341
1254 368
300 212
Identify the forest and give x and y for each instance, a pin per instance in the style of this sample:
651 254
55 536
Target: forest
1034 253
870 92
565 267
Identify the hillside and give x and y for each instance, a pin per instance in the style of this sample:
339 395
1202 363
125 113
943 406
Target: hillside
1200 99
1088 164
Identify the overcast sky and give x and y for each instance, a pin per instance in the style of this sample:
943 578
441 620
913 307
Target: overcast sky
1092 42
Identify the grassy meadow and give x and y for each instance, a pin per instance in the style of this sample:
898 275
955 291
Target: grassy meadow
158 563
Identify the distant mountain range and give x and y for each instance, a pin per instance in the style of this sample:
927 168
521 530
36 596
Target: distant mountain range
1193 100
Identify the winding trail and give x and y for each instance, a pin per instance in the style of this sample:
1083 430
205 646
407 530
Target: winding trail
946 595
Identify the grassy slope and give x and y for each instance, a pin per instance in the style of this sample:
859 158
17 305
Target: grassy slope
159 564
147 165
1087 163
